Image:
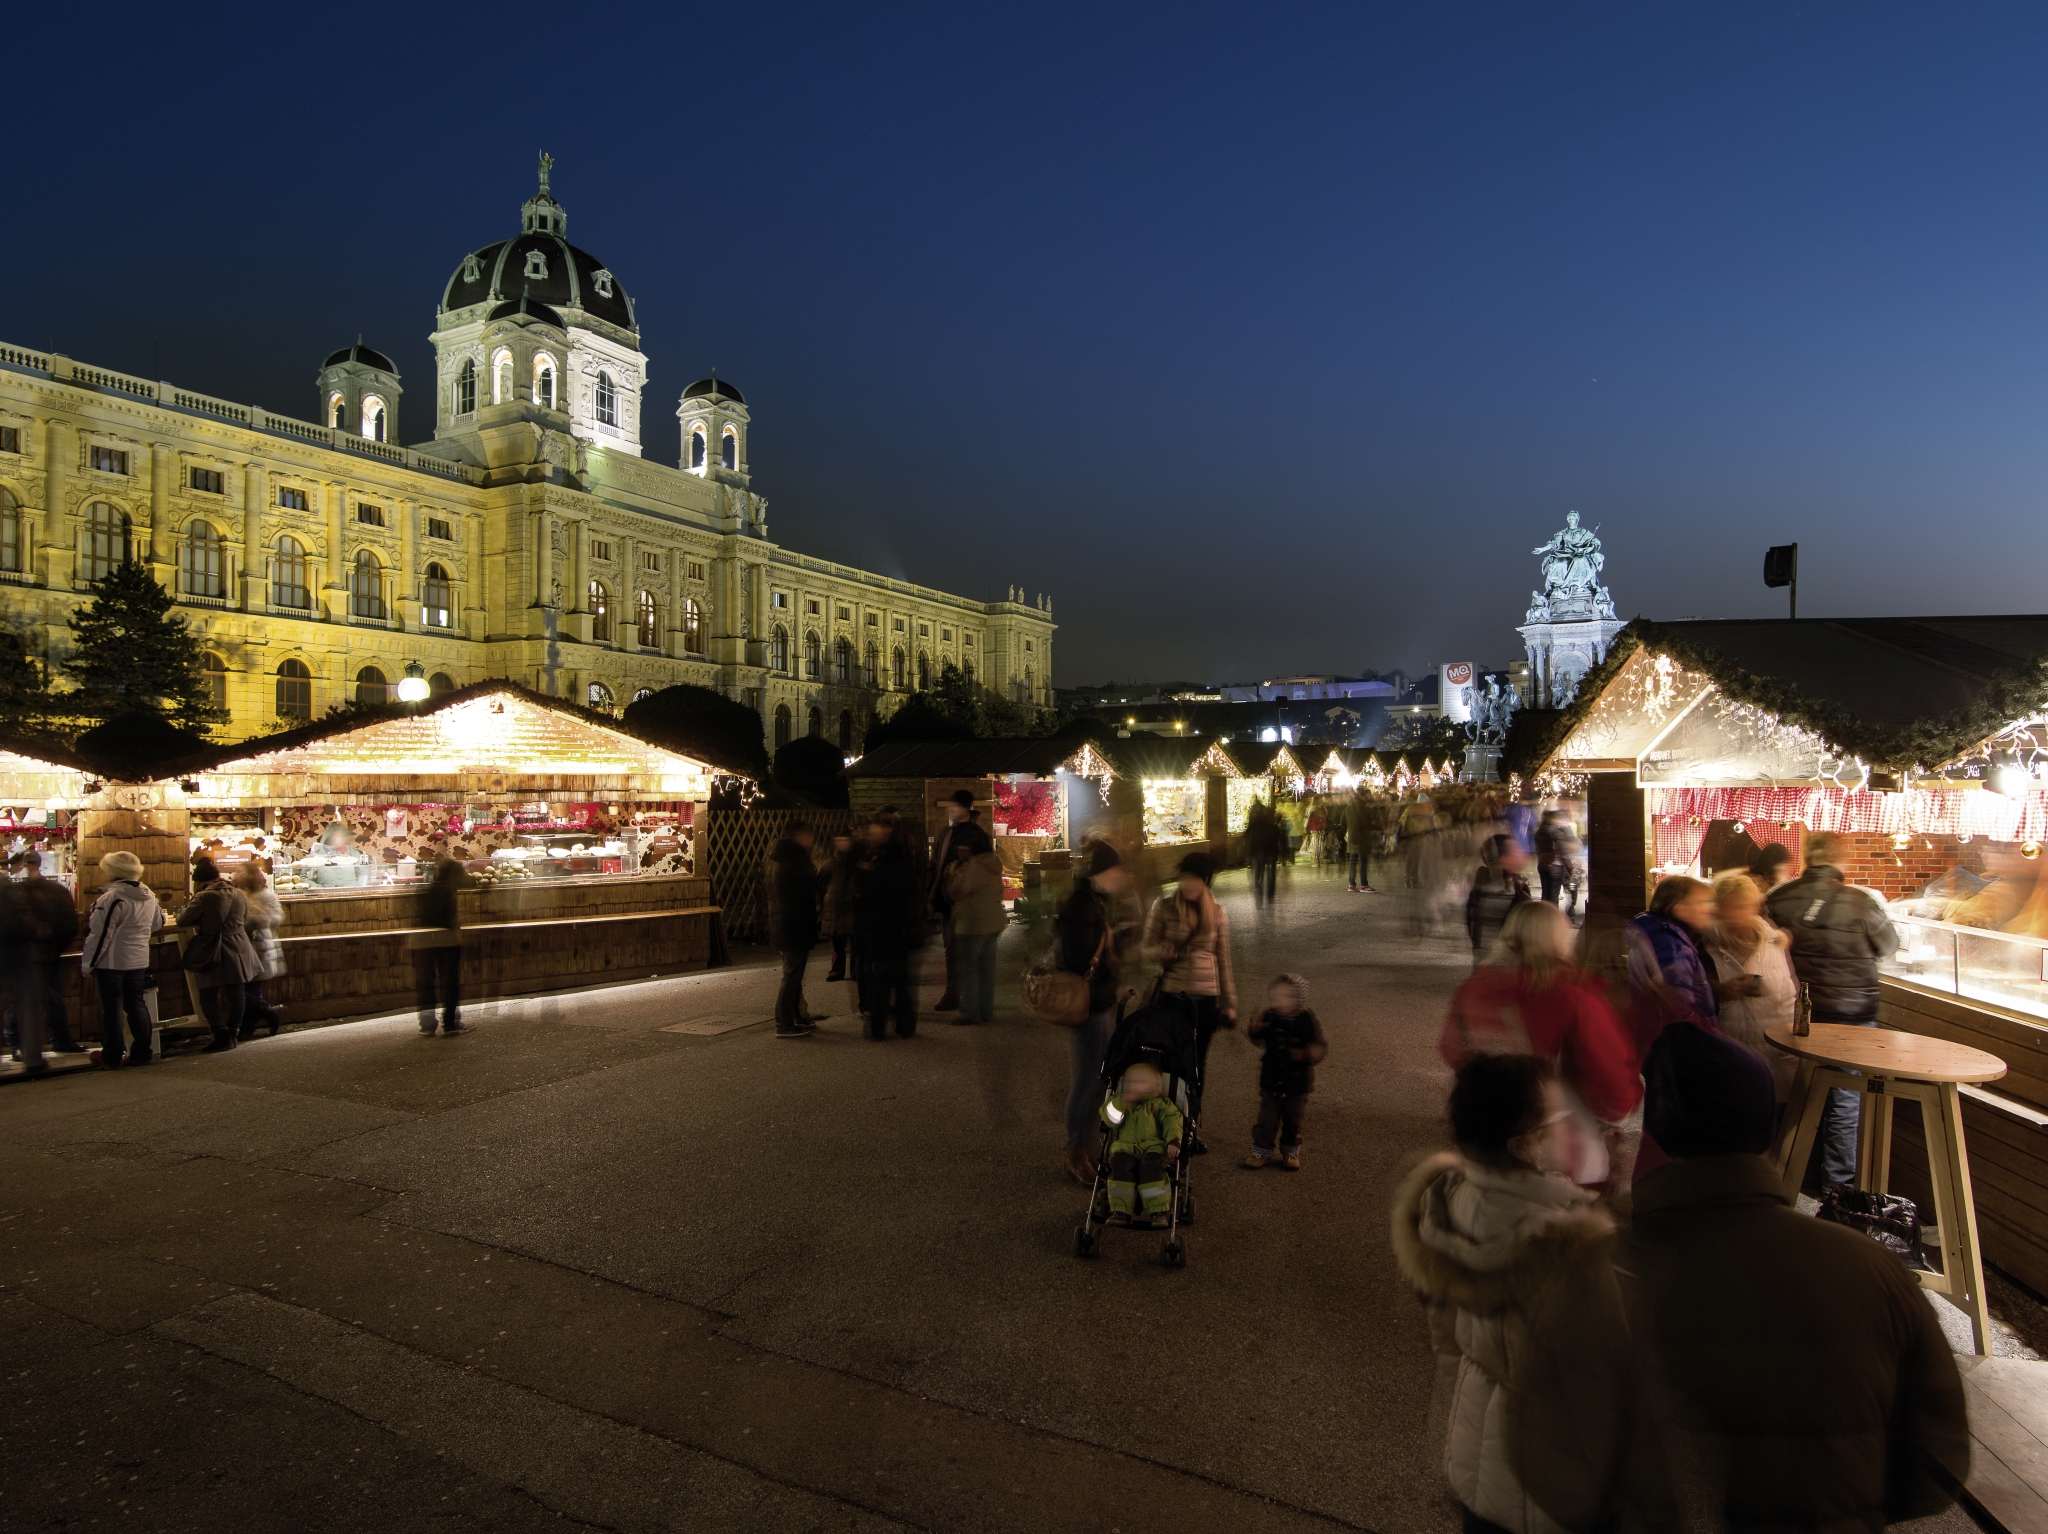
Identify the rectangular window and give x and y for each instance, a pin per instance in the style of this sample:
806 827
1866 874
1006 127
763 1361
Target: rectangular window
110 460
967 640
778 599
291 500
845 613
10 439
696 571
899 625
374 515
874 620
924 631
945 636
812 608
1027 644
599 549
650 561
209 480
438 528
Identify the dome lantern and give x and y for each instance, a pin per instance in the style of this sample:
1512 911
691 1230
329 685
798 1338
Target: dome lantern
359 393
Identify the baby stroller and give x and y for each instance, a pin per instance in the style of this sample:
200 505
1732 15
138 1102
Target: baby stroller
1164 1039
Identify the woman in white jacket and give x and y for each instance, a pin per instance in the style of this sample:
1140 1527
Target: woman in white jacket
116 957
1512 1261
1755 983
266 915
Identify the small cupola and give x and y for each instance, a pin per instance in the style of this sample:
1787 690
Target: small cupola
714 420
540 213
359 393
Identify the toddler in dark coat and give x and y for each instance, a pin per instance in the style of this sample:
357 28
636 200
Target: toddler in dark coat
1294 1043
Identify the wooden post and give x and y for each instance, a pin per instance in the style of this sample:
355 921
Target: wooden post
1617 867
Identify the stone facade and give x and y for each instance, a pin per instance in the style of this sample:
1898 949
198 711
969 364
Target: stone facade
529 539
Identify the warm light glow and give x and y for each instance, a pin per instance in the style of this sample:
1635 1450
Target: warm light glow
413 689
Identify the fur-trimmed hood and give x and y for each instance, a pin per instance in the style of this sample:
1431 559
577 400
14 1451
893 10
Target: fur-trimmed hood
1483 1239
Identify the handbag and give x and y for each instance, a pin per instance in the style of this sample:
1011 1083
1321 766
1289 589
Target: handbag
1890 1220
1059 996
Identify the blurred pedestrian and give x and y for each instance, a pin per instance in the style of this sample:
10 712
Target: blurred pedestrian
115 959
1318 817
53 919
1262 839
1511 1260
1557 844
1337 836
218 953
1755 987
1188 935
960 816
1086 937
1294 1044
1498 886
1769 866
974 889
793 923
1529 997
837 920
889 925
1838 933
1359 833
19 991
437 948
1668 975
266 915
1809 1383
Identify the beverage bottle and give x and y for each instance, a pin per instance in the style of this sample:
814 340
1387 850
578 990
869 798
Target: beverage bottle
1802 1013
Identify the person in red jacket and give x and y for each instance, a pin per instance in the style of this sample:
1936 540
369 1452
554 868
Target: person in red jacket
1529 998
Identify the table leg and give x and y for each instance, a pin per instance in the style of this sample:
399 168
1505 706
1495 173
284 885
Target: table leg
1961 1257
1810 1092
1874 1138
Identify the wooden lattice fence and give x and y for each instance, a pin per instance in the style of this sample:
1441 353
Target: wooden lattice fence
737 843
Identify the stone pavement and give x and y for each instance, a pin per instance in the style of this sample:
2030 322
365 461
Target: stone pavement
581 1266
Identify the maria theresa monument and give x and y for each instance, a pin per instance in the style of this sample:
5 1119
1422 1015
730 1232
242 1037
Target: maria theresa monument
527 537
1571 621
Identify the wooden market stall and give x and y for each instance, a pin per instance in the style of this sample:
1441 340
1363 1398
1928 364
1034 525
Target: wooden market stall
579 838
1924 743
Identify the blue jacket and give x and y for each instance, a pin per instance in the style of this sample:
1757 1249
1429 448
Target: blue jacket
1664 952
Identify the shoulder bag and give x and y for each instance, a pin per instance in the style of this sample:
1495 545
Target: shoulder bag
1059 996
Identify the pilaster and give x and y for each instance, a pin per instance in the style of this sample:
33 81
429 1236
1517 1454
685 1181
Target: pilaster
255 496
60 464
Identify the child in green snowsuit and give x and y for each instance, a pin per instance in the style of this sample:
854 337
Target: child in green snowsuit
1148 1130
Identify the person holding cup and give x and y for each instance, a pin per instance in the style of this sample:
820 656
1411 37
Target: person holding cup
1755 983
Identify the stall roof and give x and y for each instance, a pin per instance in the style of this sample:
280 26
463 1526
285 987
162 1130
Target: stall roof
965 758
490 737
1896 692
1156 756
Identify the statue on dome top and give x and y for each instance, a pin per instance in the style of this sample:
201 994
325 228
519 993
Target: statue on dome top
547 163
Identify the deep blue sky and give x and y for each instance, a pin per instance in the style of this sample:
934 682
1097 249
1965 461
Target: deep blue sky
1267 339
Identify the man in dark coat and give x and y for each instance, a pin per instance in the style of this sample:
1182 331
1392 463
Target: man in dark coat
793 924
960 813
53 914
888 925
1838 934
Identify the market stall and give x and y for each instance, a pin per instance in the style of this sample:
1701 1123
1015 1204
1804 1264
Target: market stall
577 836
1924 744
43 798
1172 787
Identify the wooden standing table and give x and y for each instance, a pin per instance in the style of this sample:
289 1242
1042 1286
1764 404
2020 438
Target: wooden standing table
1888 1065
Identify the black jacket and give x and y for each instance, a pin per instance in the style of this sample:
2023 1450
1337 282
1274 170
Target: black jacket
792 897
1280 1074
888 903
1083 917
1838 935
54 912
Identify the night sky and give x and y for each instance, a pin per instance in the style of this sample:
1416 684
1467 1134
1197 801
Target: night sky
1266 339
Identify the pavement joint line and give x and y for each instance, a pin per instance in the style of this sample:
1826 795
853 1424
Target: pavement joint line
499 1381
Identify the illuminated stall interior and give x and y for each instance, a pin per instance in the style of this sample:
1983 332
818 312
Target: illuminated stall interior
43 796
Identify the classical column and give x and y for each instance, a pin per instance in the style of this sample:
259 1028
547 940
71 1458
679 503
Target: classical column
476 588
255 495
337 571
60 458
678 593
160 472
409 560
626 621
543 572
579 579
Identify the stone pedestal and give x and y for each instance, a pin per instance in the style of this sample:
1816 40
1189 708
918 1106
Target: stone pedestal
1562 650
1482 764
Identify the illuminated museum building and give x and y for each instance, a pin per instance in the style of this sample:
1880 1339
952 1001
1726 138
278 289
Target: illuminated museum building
321 561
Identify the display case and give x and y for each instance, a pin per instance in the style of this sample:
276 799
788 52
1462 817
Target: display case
1174 810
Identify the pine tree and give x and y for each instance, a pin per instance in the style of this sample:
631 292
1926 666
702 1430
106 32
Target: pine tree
25 703
131 655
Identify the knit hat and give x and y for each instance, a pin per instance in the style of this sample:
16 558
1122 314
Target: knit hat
1706 1095
1102 857
121 865
1297 983
1201 865
964 797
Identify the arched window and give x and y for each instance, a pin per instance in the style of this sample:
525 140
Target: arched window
842 661
782 723
607 400
544 383
106 540
338 409
371 688
294 691
465 387
10 531
1030 692
202 563
440 682
817 723
436 598
644 692
693 627
871 664
366 586
288 575
600 697
501 378
373 418
600 614
778 649
650 622
897 670
729 449
846 729
697 447
924 672
216 672
811 656
967 671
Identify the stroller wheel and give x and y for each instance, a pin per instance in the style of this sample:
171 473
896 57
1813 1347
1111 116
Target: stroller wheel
1086 1242
1174 1254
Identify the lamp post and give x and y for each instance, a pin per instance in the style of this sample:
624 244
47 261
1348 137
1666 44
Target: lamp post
412 688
